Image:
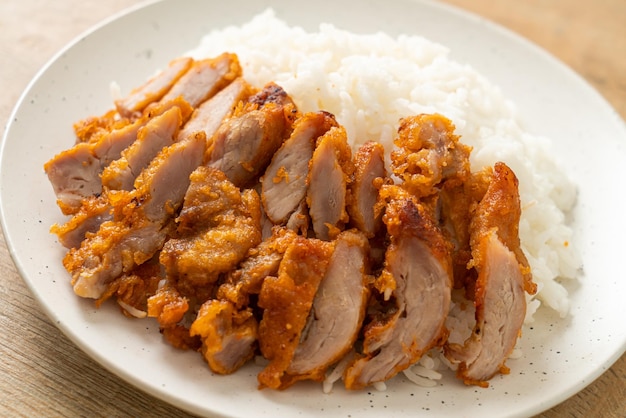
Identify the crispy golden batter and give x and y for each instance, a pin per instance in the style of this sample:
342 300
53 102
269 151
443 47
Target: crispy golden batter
228 335
428 153
217 226
168 306
287 301
261 261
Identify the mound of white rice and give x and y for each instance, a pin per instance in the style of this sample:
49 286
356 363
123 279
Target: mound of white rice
370 81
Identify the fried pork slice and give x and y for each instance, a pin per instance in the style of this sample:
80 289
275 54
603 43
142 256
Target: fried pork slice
75 173
260 262
244 144
284 182
141 223
158 133
428 153
117 248
209 115
154 89
287 300
500 309
503 276
330 171
369 176
204 79
228 335
217 226
338 310
418 267
92 213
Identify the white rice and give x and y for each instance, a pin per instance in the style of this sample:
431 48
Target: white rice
371 81
424 372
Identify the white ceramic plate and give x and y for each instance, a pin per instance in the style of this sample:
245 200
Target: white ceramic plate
561 356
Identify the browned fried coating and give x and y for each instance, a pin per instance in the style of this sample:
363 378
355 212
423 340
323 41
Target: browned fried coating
500 208
287 300
428 153
228 335
216 227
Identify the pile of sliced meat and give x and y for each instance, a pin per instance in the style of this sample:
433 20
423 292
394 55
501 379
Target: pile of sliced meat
248 228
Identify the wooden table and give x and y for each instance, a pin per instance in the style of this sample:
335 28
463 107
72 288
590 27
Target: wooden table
43 374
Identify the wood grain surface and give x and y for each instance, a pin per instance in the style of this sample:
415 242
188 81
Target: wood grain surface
42 373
